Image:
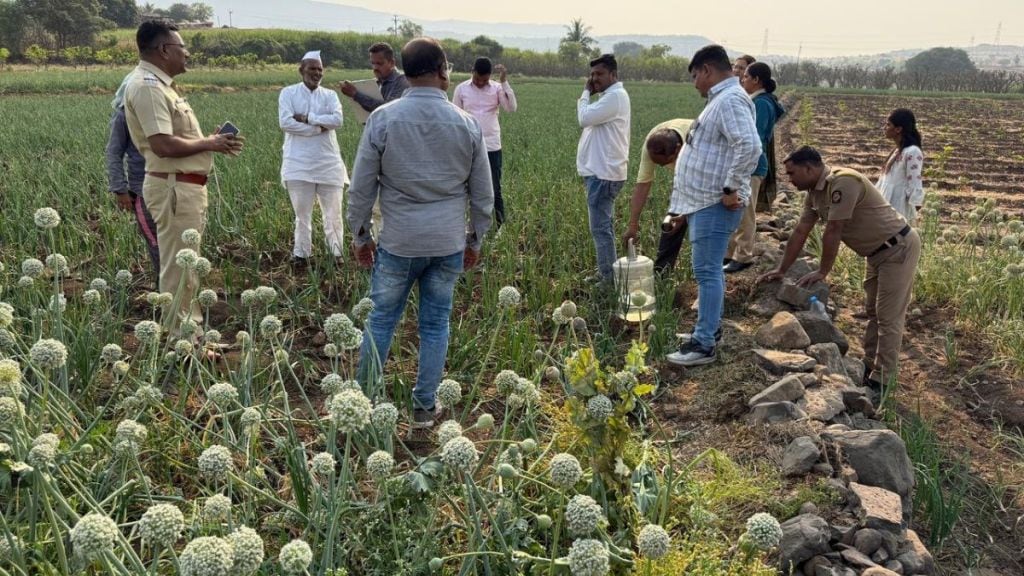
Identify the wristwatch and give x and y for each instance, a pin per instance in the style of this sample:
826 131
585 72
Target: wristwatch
727 190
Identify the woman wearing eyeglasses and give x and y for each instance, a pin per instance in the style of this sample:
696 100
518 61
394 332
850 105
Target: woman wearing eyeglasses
900 182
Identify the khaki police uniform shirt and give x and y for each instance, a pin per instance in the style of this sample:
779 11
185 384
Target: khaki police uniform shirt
844 194
647 166
152 106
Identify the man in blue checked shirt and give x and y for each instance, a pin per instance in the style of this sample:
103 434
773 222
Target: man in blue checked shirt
710 190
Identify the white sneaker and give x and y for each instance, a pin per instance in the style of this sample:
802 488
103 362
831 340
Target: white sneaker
692 354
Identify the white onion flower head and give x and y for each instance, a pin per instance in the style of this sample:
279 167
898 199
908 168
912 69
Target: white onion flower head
149 395
243 338
568 309
223 394
206 556
162 525
350 410
484 421
449 392
281 355
217 508
10 378
7 550
565 470
42 456
336 325
203 267
32 267
653 541
512 456
332 383
98 284
47 438
509 297
191 237
506 382
186 258
248 298
6 315
362 309
120 368
379 465
47 218
91 297
131 430
123 278
558 318
764 531
266 295
270 326
295 557
48 353
207 298
384 417
588 557
215 462
7 340
58 303
460 454
331 350
250 417
583 516
93 534
183 348
212 336
322 464
448 430
599 407
10 410
247 551
147 331
26 282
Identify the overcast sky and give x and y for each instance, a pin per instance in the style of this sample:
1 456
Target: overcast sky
823 27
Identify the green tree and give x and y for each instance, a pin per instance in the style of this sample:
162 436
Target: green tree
179 12
578 32
200 12
658 51
72 22
4 55
940 61
123 13
37 55
406 29
13 24
627 49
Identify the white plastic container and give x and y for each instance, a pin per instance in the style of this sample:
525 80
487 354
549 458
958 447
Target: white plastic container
634 283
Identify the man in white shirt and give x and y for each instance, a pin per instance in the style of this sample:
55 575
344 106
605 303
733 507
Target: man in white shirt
602 155
311 167
482 98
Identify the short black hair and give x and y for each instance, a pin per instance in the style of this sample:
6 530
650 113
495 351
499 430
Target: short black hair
712 55
664 142
606 60
422 56
383 48
482 66
151 32
804 156
748 59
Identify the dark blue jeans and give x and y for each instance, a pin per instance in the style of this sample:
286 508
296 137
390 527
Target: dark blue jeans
601 209
392 279
494 158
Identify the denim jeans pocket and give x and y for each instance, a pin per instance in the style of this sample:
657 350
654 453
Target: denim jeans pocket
391 270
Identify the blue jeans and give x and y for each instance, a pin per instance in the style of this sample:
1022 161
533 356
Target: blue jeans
601 209
392 279
710 230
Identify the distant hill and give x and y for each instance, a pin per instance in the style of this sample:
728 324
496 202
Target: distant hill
985 56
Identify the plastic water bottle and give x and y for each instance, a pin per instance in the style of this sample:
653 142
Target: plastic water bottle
817 308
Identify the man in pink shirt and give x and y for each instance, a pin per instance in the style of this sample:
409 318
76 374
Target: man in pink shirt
481 97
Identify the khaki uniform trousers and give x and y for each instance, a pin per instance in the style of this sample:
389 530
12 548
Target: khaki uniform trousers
741 245
888 283
176 207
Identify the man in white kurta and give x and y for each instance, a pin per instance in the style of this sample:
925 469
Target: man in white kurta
311 168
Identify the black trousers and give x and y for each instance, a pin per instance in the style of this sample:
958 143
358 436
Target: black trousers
669 245
499 203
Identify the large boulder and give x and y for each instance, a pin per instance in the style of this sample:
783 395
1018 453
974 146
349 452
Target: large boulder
780 363
914 557
800 456
867 540
827 354
823 404
822 330
803 537
782 332
789 389
879 457
877 508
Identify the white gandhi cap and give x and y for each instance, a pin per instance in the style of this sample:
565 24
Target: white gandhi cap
312 55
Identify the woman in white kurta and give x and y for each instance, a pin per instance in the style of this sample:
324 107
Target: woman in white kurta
900 181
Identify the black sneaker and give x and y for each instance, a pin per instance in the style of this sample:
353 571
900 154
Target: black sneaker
422 419
686 337
736 266
692 354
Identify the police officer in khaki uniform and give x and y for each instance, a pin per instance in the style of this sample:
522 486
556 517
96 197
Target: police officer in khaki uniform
178 158
856 214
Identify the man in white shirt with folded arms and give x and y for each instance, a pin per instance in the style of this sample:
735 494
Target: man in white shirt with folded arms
311 167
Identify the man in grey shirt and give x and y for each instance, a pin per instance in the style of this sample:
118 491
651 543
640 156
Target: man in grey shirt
426 160
392 83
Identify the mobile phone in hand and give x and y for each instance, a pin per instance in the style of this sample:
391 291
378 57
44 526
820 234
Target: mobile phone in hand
228 128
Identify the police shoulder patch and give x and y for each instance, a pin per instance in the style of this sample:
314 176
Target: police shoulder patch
837 196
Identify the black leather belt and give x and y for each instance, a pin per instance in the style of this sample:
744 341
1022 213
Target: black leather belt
892 241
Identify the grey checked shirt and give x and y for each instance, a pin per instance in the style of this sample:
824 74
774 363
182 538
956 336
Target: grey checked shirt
721 150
